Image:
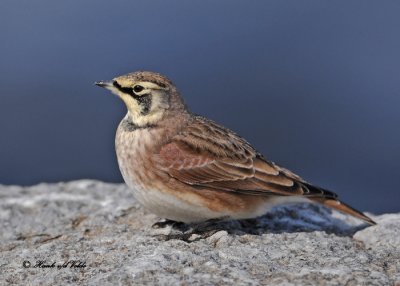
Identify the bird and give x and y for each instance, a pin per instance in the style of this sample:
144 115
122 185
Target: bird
186 168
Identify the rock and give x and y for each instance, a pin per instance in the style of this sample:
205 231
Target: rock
89 232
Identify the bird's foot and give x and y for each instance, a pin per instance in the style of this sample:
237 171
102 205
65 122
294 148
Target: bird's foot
168 223
168 229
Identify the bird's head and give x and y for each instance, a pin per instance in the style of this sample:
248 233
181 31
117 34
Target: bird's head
147 95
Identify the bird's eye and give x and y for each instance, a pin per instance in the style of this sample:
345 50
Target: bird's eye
138 88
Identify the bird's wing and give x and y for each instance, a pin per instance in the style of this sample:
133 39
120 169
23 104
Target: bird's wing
209 155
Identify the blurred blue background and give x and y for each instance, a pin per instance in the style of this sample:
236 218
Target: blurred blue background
314 85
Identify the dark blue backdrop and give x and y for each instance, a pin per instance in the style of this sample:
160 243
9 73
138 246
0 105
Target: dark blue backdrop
314 85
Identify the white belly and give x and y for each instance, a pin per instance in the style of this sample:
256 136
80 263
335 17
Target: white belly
168 206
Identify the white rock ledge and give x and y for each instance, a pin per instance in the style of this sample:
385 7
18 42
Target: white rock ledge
101 227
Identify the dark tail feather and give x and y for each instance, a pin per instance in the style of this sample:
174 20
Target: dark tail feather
342 207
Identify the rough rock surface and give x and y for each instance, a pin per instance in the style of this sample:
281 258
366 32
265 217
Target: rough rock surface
100 226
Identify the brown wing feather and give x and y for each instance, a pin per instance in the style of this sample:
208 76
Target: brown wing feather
206 154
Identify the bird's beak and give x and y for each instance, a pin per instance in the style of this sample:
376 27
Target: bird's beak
104 83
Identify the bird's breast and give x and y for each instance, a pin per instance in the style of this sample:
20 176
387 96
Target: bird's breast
134 149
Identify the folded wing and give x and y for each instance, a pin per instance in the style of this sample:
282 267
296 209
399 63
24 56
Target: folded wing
206 154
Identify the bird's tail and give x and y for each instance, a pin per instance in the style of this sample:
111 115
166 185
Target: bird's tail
342 207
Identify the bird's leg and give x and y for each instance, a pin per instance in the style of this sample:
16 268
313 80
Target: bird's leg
169 229
188 232
168 223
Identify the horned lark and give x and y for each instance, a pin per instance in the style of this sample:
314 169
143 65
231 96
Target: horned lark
187 168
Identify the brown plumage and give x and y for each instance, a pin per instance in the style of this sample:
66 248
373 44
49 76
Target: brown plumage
187 168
